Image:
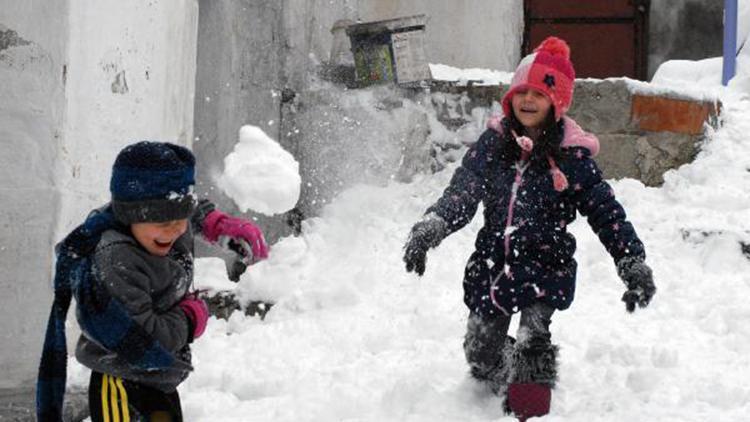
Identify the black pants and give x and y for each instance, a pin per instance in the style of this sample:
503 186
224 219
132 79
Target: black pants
115 399
489 349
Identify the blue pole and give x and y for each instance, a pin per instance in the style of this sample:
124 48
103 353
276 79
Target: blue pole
730 41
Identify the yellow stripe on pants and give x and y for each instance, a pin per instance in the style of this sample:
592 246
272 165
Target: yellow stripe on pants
123 401
113 395
110 387
105 404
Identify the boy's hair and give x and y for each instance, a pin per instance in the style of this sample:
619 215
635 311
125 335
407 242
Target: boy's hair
153 182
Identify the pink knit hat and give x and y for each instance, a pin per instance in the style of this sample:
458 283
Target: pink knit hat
549 70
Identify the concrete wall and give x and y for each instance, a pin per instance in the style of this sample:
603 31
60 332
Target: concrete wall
32 110
254 55
131 77
239 80
684 29
78 80
461 33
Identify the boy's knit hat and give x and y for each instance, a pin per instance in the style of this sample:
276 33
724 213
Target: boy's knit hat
153 182
549 70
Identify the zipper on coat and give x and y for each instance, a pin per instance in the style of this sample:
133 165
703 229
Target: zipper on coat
521 167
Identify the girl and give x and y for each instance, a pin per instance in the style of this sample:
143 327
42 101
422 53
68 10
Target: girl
532 170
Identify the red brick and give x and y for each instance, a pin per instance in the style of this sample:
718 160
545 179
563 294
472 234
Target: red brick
660 114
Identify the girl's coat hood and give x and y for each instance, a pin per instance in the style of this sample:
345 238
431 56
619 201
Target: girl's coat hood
574 135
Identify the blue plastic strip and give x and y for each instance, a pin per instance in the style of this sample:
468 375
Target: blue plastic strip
730 41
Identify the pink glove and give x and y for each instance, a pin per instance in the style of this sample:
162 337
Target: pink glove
247 237
196 311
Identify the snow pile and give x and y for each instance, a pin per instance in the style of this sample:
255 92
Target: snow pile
705 72
260 175
441 72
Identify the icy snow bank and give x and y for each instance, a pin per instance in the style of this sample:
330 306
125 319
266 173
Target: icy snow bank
446 73
260 175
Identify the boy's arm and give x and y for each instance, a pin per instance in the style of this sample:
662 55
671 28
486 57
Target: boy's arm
127 281
236 234
202 209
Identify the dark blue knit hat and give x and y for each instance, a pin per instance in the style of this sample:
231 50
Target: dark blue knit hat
153 182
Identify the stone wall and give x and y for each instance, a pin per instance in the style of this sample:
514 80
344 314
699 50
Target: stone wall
643 133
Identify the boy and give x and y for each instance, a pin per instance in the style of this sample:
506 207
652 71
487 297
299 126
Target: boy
130 266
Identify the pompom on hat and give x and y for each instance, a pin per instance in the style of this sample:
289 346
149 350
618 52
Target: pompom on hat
153 182
549 70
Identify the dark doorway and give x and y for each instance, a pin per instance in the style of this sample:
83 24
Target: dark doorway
606 38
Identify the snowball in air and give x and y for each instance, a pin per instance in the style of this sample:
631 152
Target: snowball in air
260 175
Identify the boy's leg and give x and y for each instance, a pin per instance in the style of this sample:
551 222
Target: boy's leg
114 399
484 346
534 370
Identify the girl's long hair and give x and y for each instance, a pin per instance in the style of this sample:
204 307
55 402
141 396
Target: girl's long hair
548 143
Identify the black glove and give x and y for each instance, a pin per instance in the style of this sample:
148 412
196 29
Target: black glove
426 234
639 280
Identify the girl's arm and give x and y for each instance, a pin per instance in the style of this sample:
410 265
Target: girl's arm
460 200
596 200
455 208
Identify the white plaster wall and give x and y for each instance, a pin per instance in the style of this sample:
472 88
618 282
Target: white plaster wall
131 77
466 34
64 115
32 57
461 33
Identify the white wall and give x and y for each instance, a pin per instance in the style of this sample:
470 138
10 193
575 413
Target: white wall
32 105
249 52
131 77
64 115
461 33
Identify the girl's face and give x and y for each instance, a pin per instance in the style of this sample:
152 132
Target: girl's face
531 107
158 238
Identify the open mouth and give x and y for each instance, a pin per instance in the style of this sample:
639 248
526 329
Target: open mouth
162 244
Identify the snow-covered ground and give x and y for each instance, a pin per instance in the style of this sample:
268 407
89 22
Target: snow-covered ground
353 337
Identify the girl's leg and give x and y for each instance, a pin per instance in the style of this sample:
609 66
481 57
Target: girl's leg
534 371
114 399
485 349
535 355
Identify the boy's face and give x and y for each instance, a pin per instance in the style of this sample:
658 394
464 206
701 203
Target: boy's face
531 107
158 238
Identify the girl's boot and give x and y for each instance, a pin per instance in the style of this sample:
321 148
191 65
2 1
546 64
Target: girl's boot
532 378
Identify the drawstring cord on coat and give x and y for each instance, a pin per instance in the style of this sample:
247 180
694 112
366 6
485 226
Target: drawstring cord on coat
559 181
